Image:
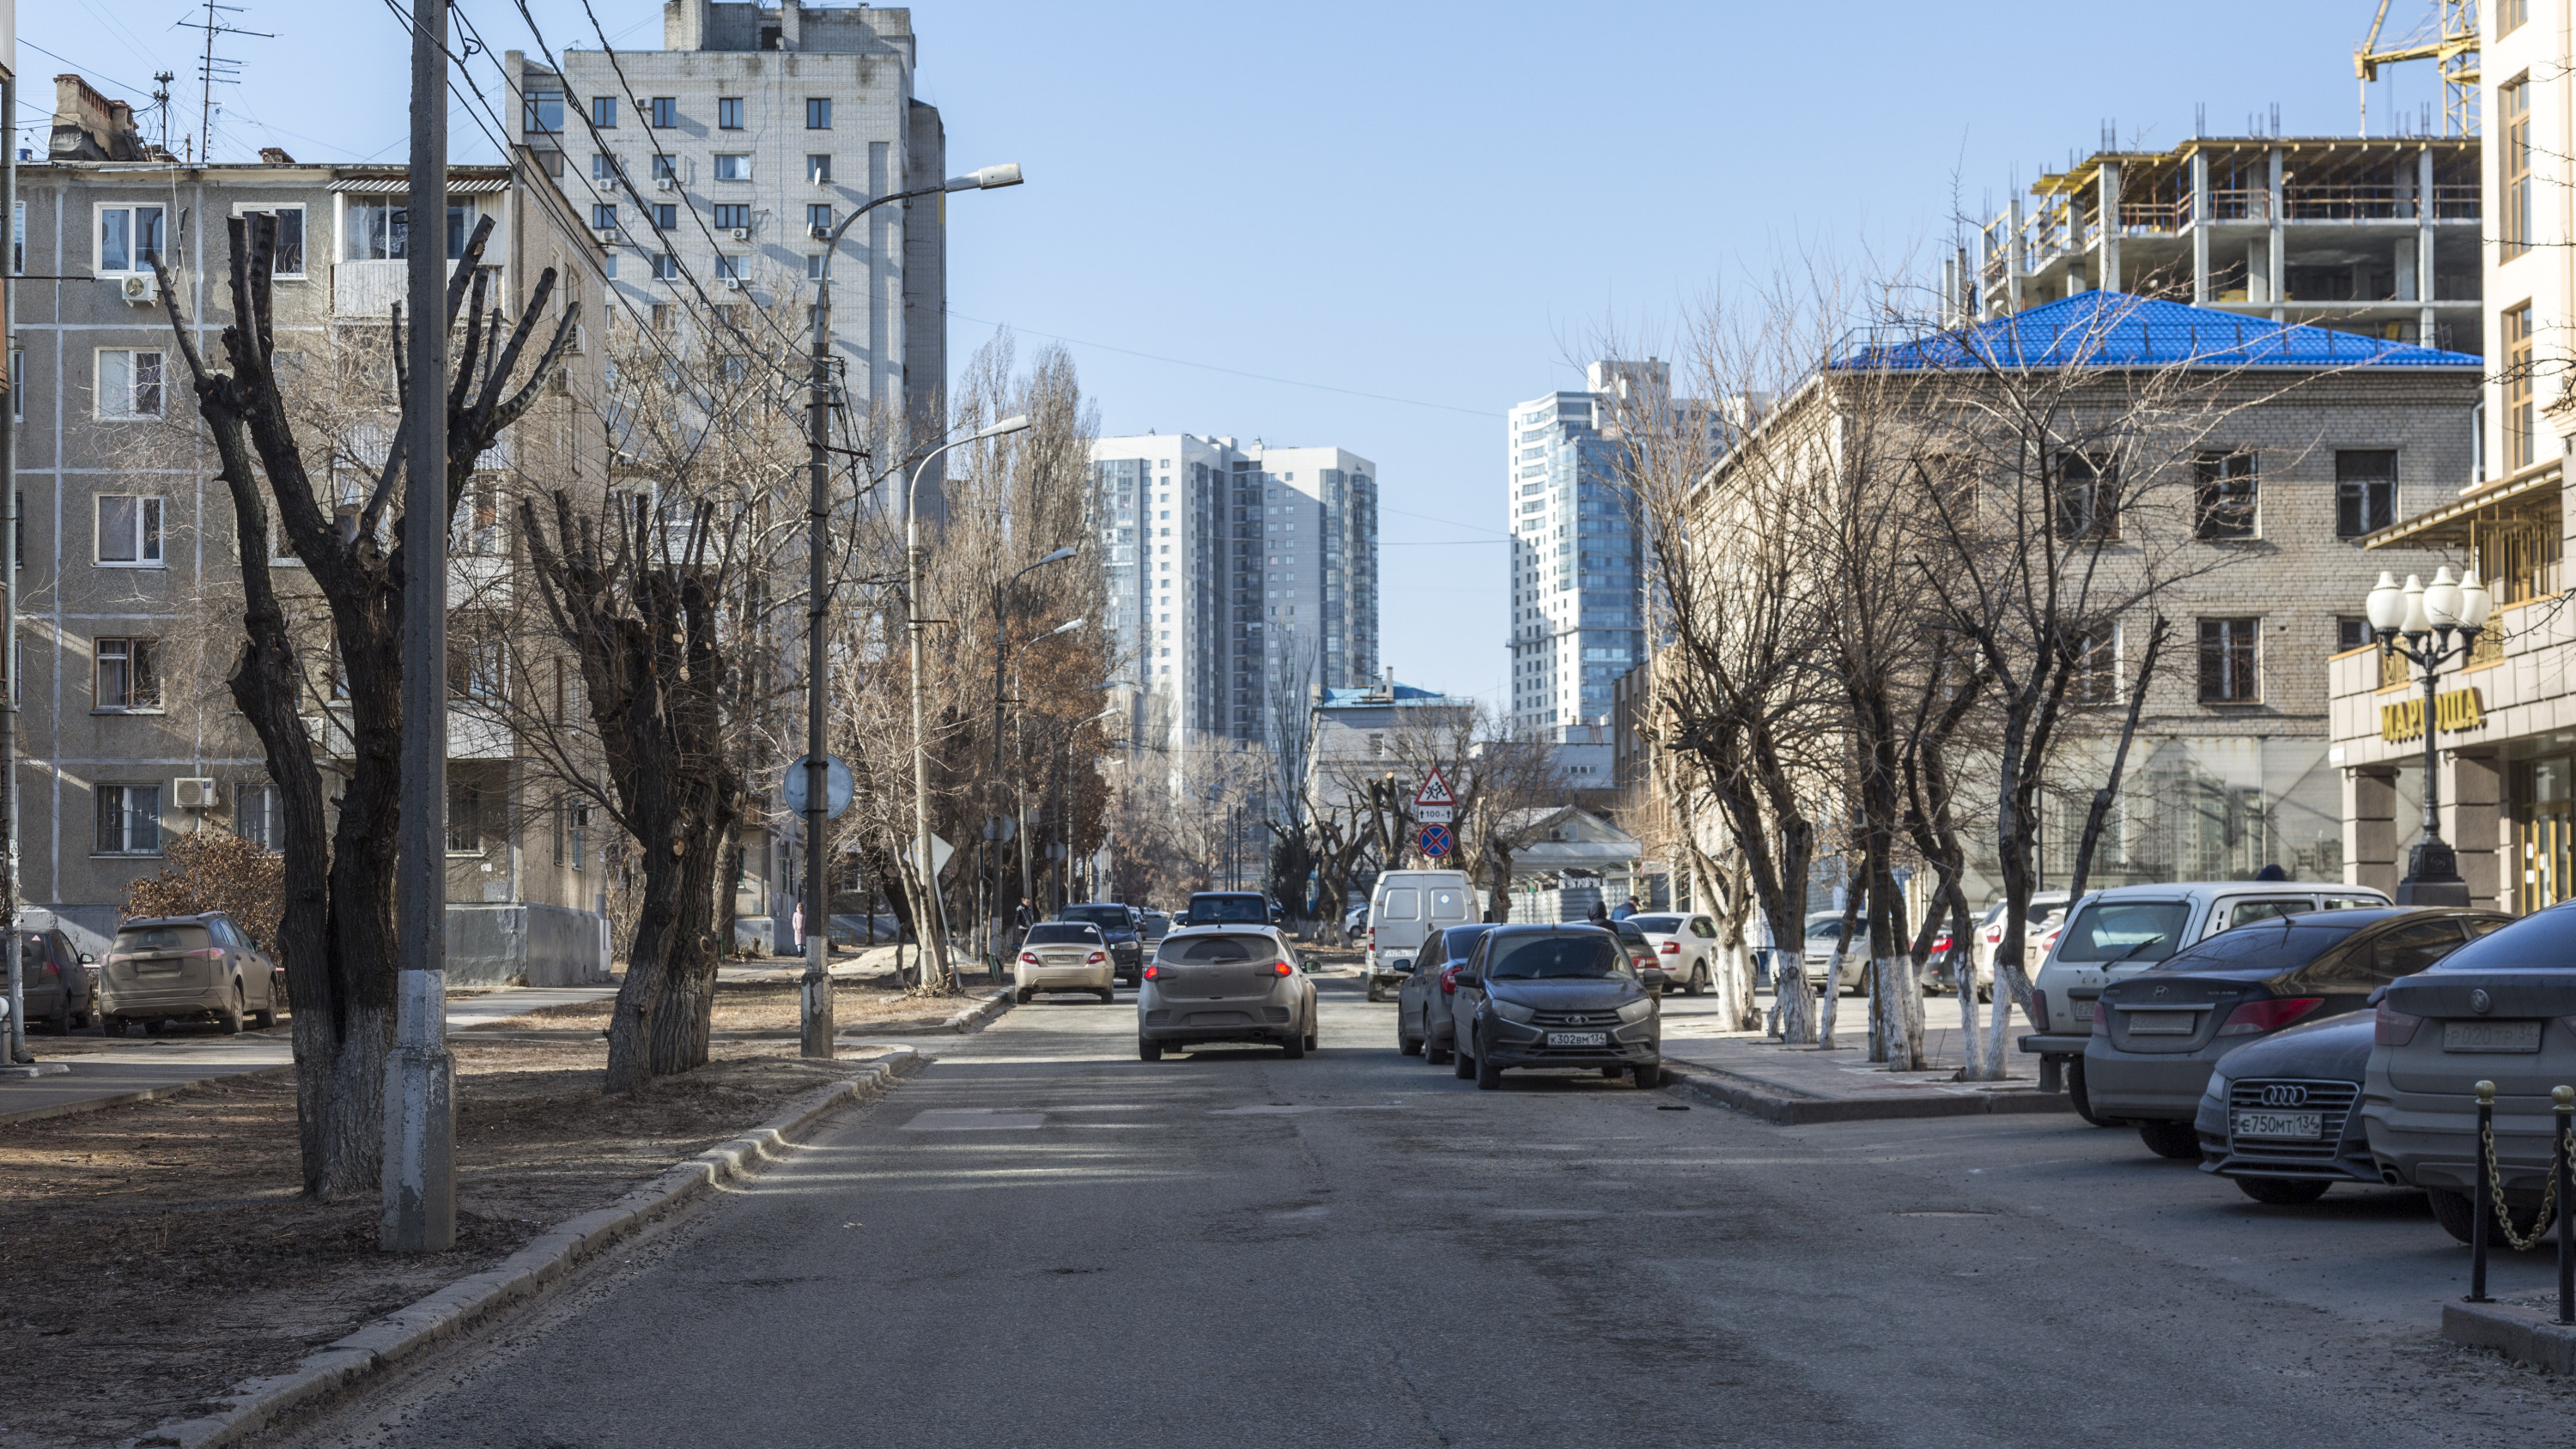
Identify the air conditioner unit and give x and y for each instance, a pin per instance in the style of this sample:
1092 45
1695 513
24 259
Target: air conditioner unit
611 236
819 233
742 233
731 284
666 183
143 288
193 792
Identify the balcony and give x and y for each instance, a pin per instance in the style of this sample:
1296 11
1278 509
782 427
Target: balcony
368 290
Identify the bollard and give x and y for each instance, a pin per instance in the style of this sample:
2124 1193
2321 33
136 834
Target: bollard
2479 1204
2564 1098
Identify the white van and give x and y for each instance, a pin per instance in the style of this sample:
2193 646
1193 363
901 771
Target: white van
1405 907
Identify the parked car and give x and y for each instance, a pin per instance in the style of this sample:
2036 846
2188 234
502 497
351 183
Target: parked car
1554 996
1225 983
202 967
1986 932
1422 1003
1683 944
59 981
2498 1009
2277 1117
1226 908
1157 925
1119 928
1064 956
2157 1033
2127 929
1641 955
1405 907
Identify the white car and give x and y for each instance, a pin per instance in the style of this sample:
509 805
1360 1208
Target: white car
2047 912
1683 944
1824 931
1064 956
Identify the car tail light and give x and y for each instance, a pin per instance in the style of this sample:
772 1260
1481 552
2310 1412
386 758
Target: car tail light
2256 1017
2039 1009
1448 980
1372 938
1278 968
1095 958
1031 957
1994 934
1669 948
2101 1018
2392 1027
1154 972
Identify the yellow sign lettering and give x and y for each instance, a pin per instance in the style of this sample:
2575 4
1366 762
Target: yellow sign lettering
2461 709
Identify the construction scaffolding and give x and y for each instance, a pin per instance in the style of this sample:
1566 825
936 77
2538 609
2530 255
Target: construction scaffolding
2449 39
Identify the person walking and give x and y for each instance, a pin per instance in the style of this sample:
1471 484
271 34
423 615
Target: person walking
1626 909
1597 915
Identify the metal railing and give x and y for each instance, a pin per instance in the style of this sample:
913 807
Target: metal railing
2557 1195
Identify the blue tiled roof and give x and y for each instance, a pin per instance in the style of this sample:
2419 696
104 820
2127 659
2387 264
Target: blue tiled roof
2115 329
1367 695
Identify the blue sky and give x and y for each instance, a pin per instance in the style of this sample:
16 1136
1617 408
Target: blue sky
1402 217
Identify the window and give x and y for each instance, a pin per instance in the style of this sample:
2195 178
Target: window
2097 666
473 669
289 261
728 113
603 113
818 169
2513 166
553 161
129 382
2087 498
2518 440
666 216
2509 16
819 217
733 168
814 269
603 167
129 238
129 819
666 268
666 111
2224 496
2227 661
2365 490
580 833
664 316
129 530
127 675
728 267
2351 632
818 113
466 800
478 524
732 215
379 231
665 169
259 816
545 111
603 215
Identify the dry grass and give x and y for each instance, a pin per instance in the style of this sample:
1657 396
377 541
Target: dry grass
763 1006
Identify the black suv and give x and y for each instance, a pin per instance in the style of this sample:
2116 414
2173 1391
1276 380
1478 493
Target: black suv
1232 908
1120 927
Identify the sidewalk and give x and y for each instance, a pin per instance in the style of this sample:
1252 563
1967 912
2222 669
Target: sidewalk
1803 1084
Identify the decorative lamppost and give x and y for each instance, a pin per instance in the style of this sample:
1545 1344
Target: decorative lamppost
2427 625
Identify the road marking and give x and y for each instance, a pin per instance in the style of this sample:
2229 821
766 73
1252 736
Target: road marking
1283 1111
973 1119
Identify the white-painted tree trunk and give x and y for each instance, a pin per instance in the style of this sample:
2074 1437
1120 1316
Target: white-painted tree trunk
1833 996
1793 1008
1965 974
1899 989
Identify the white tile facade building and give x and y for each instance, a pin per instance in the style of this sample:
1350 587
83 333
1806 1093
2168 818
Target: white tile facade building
1578 555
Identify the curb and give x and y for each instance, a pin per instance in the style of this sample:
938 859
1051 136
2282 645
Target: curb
148 1094
1791 1109
964 1023
2527 1335
379 1346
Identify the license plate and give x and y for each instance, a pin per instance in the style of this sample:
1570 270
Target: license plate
2160 1023
2307 1125
2490 1036
1578 1038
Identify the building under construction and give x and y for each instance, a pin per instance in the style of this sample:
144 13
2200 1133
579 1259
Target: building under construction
2374 235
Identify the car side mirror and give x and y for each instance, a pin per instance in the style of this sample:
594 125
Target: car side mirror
87 959
2374 998
1469 978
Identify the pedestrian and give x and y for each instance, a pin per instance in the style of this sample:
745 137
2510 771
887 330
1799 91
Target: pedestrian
797 929
1626 909
1597 915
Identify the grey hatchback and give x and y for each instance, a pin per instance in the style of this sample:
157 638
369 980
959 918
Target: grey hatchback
1238 983
1555 996
1430 986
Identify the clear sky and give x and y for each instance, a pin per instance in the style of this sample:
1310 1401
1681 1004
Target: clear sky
1377 226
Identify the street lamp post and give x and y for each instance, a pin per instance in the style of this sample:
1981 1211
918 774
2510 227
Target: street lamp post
1001 652
2436 621
815 1007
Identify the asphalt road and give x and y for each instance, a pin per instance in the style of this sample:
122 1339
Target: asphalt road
1042 1241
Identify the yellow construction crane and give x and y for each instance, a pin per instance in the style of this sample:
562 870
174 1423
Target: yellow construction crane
2452 47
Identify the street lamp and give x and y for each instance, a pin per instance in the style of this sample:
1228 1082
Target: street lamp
815 1004
1001 651
2427 617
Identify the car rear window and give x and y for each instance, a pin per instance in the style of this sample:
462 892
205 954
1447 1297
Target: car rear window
1402 904
1064 934
2263 947
2542 941
1630 932
161 938
2124 931
1660 925
1105 917
1219 910
1532 958
1217 950
1448 903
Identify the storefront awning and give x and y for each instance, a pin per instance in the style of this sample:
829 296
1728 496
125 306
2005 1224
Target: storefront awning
2530 499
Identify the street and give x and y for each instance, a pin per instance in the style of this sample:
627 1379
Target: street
1043 1241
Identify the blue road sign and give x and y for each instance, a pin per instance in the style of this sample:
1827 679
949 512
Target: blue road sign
836 786
1436 840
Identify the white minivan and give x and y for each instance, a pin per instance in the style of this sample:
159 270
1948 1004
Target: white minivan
1405 907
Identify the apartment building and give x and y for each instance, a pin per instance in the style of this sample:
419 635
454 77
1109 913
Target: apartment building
2505 717
1579 560
130 612
1233 570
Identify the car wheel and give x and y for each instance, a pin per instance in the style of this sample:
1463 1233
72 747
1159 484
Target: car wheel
1432 1051
265 1017
1314 1041
1410 1046
2083 1100
1373 992
1151 1051
1698 980
1649 1075
60 1023
152 1026
231 1018
2283 1191
2170 1139
1463 1065
1489 1077
1293 1046
2452 1211
1108 995
1022 995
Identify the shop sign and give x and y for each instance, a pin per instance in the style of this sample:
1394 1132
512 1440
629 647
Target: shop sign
2458 710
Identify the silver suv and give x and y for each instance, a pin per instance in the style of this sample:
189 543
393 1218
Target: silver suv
186 968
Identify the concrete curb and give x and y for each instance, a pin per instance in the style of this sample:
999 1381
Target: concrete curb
461 1305
148 1094
2527 1335
1790 1109
964 1023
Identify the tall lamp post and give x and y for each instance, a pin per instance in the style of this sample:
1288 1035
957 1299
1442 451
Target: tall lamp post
815 1004
1001 652
2435 622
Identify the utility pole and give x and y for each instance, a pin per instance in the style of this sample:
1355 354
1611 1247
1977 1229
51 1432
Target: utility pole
419 1214
18 1052
814 1015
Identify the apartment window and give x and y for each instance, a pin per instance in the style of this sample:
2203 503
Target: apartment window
2097 667
127 675
2518 440
580 831
129 382
379 231
666 216
474 670
603 215
664 316
603 112
603 167
2087 497
553 161
129 238
666 111
819 218
729 113
2513 166
2365 490
129 819
289 259
732 215
129 530
733 168
2228 661
2509 16
545 111
666 268
467 802
814 267
818 169
665 168
2224 496
728 266
2352 632
561 810
818 113
259 816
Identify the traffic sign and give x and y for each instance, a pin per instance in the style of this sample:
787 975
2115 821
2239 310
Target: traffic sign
940 852
1434 791
1431 814
836 787
1436 840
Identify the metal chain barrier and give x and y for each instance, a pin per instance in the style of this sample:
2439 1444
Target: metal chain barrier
2548 1198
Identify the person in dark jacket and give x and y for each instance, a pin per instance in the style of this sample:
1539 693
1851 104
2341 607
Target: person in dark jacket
1626 909
1598 915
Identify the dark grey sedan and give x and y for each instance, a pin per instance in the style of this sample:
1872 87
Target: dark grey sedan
1554 996
2278 1119
1422 1003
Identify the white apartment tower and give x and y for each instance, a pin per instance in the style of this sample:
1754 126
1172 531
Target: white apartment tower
1578 554
1219 559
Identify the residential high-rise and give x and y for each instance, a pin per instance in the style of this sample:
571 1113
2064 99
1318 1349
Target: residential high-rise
1578 553
1222 563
